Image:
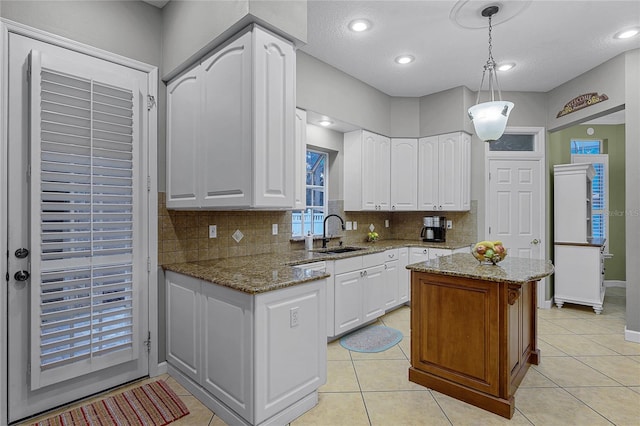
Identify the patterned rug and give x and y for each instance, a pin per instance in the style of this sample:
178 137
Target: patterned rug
153 404
375 338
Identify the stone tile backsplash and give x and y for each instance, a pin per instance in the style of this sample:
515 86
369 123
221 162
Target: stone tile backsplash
183 236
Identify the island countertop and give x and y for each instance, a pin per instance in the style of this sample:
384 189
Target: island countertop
511 270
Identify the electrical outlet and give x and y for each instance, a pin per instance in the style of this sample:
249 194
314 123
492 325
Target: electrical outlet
348 226
274 229
213 231
294 317
449 224
355 226
386 223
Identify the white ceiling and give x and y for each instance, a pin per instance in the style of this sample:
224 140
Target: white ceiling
550 41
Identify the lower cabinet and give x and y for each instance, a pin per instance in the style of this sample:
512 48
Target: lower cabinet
397 277
251 358
579 275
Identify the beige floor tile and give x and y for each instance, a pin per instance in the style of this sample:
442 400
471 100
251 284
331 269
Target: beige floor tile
198 413
554 312
549 327
636 389
549 350
341 377
404 408
403 313
555 406
393 352
575 345
405 346
335 409
635 358
460 413
335 352
619 405
567 371
177 387
616 343
619 368
401 325
217 421
384 375
534 379
580 326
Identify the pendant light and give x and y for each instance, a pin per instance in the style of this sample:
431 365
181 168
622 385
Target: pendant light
490 118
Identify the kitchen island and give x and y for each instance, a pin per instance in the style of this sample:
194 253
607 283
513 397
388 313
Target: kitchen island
474 327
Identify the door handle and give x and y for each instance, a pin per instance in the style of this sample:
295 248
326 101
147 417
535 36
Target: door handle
21 275
535 241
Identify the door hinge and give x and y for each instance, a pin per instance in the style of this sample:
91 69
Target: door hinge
489 230
489 175
147 342
148 264
28 369
148 183
151 102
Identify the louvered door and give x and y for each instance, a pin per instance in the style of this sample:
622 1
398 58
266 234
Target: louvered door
87 310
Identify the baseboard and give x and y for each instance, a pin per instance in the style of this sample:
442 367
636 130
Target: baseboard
547 304
162 368
631 335
615 283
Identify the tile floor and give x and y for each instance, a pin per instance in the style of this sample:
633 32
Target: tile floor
589 375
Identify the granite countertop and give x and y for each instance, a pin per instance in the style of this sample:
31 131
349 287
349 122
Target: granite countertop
511 270
268 272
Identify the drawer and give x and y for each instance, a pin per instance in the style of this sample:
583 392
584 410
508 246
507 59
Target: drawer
374 259
348 265
315 266
391 254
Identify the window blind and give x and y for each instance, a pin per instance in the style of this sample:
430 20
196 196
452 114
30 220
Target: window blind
83 170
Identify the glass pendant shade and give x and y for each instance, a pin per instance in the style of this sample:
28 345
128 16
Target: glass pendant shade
490 119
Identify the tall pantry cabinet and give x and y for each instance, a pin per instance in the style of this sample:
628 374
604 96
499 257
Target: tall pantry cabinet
578 257
230 126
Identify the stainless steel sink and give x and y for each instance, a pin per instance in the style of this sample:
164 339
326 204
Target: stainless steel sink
339 250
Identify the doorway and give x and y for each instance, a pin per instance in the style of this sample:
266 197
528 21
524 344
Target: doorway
76 208
515 202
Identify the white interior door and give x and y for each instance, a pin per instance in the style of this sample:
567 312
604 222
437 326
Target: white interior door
514 208
77 300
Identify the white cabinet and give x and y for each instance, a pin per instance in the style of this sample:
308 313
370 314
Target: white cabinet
404 174
397 277
230 127
358 291
444 175
579 275
300 161
418 254
578 258
367 171
572 202
244 355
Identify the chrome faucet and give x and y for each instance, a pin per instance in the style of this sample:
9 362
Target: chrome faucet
324 228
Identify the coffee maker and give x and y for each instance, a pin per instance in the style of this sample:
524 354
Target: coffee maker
434 229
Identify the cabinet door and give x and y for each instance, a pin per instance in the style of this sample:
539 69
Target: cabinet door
391 274
274 114
369 180
225 145
183 137
404 174
404 276
348 301
183 324
381 171
300 160
373 289
450 160
428 172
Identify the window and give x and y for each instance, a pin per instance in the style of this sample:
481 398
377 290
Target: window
514 142
311 218
590 151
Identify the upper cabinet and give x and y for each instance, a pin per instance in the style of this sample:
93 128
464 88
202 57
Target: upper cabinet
367 171
404 174
230 127
444 175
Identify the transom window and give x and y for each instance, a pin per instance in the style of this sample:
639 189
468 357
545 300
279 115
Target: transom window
310 219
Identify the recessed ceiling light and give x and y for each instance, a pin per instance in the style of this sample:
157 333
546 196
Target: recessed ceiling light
325 123
506 67
627 33
359 25
405 59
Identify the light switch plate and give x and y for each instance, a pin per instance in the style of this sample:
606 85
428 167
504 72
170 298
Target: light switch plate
274 229
348 226
213 231
386 223
355 225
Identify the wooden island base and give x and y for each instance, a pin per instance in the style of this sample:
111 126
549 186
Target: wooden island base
473 338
